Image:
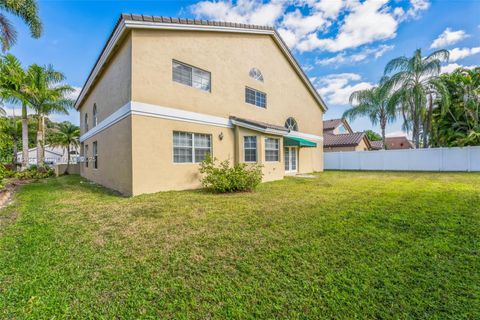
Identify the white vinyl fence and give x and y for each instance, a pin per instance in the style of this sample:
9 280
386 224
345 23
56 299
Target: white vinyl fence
435 159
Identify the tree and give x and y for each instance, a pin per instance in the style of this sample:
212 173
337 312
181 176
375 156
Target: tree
373 136
458 123
9 132
66 136
12 83
27 10
374 104
46 94
415 83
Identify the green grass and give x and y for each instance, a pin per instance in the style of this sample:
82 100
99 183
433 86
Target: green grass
342 245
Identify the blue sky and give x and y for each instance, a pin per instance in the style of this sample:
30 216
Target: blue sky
343 45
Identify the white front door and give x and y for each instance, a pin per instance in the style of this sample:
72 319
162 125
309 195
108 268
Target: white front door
291 154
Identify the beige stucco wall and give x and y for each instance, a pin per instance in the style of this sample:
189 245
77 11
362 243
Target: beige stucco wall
229 57
152 151
115 157
136 154
113 90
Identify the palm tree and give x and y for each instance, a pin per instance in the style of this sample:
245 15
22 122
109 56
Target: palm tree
374 104
415 83
27 10
66 136
46 94
10 130
12 82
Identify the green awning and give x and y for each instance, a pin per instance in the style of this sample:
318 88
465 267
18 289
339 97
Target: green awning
298 142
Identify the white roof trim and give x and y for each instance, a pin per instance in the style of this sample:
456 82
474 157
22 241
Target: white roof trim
132 24
156 111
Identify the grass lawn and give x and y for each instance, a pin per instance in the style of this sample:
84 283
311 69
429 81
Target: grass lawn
342 245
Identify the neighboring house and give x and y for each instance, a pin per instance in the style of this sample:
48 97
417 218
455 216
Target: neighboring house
339 136
53 155
165 92
393 143
401 142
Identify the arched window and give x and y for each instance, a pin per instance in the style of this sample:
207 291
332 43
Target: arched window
291 124
95 121
256 74
86 122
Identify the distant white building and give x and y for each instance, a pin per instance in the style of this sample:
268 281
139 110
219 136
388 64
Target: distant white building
53 155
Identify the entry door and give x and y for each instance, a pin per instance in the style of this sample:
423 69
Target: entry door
291 159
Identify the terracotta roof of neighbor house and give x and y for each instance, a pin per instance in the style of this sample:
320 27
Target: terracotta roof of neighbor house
210 25
259 124
402 142
342 140
331 124
376 145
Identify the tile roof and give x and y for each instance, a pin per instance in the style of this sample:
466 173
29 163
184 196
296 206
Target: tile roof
160 19
262 125
402 142
376 145
331 124
342 140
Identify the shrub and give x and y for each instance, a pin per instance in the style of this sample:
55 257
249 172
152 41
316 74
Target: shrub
223 177
33 173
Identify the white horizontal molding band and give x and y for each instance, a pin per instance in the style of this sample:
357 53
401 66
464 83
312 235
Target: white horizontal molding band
155 111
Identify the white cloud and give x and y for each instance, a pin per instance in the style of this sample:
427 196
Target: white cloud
244 11
343 58
74 95
303 24
453 66
448 37
368 22
337 88
461 53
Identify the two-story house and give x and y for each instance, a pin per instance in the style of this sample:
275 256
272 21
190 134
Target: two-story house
165 92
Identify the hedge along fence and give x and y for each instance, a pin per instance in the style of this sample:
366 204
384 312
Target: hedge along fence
434 159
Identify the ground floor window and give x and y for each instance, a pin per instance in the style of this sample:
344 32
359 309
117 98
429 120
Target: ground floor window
191 147
250 148
95 155
85 154
272 149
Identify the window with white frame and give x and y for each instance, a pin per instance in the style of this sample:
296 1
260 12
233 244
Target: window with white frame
191 147
256 74
250 148
191 76
86 122
86 155
291 124
272 149
95 120
95 155
255 97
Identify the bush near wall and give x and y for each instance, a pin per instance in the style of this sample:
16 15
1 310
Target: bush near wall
223 177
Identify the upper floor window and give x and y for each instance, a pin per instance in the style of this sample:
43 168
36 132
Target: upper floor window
255 97
272 149
86 122
341 129
95 120
191 147
191 76
291 124
256 74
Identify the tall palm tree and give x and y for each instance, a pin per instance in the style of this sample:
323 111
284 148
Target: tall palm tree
46 94
27 10
12 82
415 83
66 136
374 104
